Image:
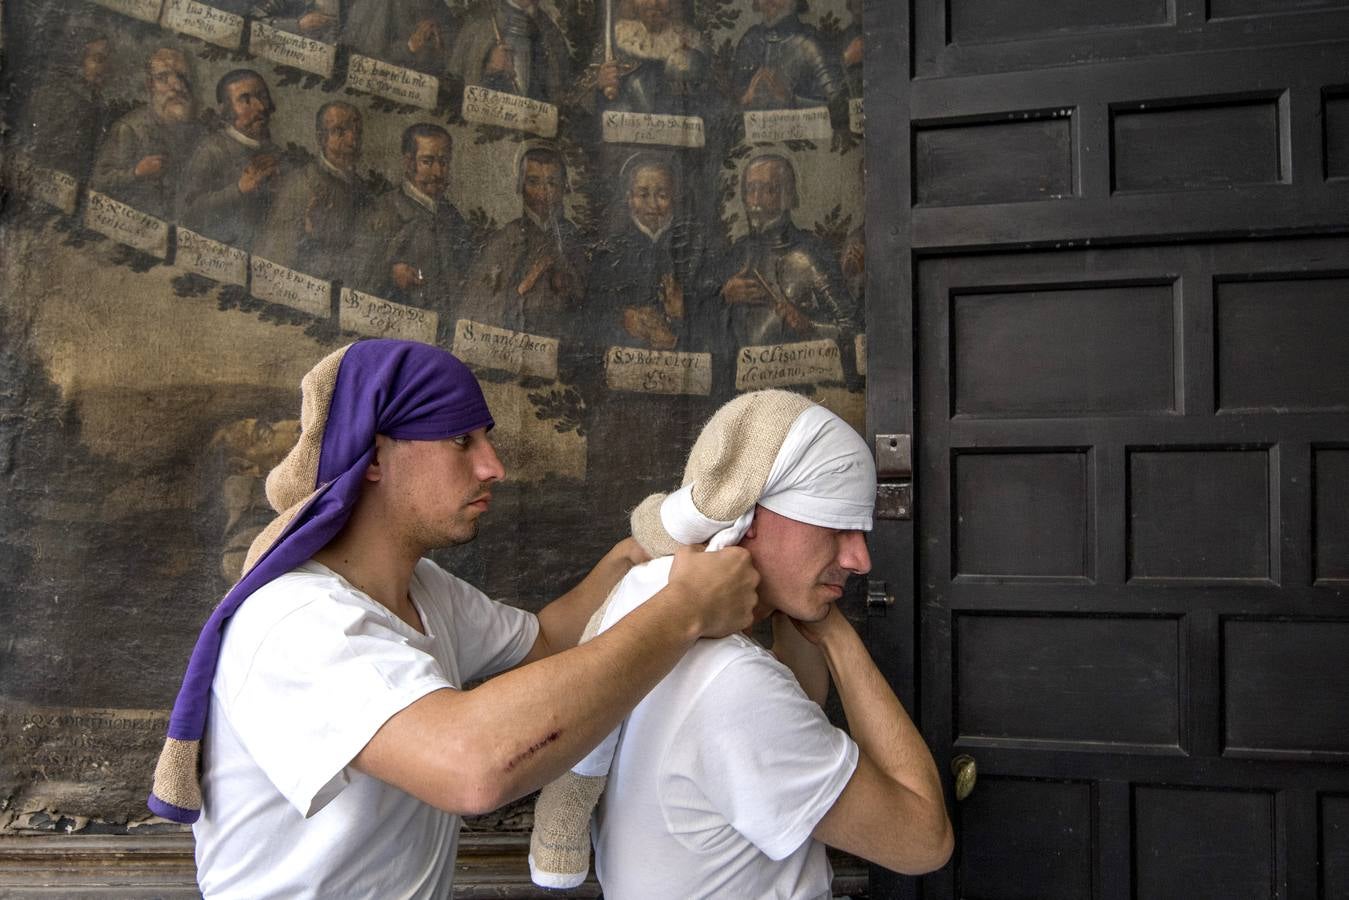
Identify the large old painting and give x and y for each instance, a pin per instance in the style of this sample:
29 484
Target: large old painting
620 213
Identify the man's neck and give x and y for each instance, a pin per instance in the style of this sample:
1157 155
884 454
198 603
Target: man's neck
420 197
543 223
335 171
251 143
654 235
380 571
771 229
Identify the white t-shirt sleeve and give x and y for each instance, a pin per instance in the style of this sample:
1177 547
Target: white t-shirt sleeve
320 681
756 752
489 637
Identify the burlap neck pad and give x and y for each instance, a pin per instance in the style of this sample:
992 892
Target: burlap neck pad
401 389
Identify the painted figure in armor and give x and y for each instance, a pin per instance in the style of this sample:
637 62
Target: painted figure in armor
782 63
513 47
785 284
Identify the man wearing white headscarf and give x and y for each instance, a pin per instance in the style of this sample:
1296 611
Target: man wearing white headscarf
728 780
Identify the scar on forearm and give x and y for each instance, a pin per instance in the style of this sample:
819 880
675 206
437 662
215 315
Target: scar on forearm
535 748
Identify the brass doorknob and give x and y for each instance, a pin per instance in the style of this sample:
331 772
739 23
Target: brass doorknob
966 772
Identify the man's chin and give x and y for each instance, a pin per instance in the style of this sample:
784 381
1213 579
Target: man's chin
465 535
176 111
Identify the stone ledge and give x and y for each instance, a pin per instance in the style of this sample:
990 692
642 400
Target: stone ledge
490 867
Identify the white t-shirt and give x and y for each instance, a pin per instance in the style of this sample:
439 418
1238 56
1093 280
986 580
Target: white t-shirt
310 668
720 776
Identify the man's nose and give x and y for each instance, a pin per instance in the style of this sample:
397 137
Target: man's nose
852 552
487 465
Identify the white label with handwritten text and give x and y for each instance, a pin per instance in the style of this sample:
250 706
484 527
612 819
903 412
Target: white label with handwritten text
376 317
392 82
127 224
785 365
485 106
289 49
145 10
278 284
212 259
214 26
516 352
857 117
658 371
644 128
777 125
51 186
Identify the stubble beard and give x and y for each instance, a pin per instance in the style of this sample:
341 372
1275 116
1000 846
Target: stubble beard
257 128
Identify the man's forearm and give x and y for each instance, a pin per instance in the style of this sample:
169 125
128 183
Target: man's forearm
472 751
876 718
895 779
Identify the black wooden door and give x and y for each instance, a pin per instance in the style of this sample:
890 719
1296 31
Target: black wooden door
1109 296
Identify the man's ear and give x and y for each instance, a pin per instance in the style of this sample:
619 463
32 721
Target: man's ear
374 472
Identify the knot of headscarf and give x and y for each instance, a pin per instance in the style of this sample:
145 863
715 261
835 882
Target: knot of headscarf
401 389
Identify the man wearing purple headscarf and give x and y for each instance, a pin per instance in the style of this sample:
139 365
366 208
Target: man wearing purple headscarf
323 715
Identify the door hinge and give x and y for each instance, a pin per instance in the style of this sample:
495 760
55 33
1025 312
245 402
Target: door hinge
894 501
894 456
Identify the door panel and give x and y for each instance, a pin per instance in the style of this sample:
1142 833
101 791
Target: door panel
1107 293
1118 593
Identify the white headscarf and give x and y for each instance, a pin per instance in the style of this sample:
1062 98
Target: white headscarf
822 475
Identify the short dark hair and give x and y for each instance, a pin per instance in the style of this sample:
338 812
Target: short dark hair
422 130
323 111
232 76
546 156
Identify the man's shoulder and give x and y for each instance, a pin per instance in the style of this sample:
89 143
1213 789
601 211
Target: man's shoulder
754 32
516 231
218 144
138 120
441 584
294 590
304 178
732 664
798 238
394 207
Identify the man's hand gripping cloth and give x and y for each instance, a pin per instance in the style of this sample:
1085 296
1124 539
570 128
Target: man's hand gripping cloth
773 449
399 389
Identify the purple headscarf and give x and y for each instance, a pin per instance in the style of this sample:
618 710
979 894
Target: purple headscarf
400 389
